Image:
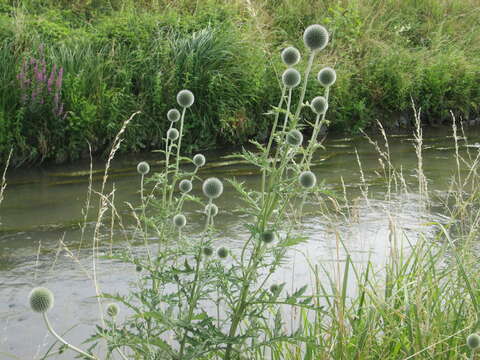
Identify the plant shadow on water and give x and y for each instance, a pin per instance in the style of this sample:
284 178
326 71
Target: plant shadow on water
371 263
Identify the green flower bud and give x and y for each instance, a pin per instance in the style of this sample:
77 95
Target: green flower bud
294 138
179 220
185 98
268 236
291 78
173 115
112 310
212 188
173 134
307 179
315 37
207 251
199 160
222 252
41 299
319 105
138 268
143 168
290 56
212 209
185 186
473 341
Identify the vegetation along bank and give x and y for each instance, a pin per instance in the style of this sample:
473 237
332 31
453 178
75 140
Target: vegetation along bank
73 71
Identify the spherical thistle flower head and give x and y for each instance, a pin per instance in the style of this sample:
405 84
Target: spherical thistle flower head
327 77
207 251
307 179
138 268
179 220
173 115
319 105
212 188
315 37
275 289
294 138
222 252
290 56
291 78
41 299
268 236
211 209
173 134
112 310
199 160
473 341
185 186
185 98
143 168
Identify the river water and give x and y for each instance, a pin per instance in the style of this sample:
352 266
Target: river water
44 206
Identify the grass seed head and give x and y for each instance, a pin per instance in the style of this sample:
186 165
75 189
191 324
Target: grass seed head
179 220
291 78
185 98
173 115
319 105
212 188
143 168
185 186
290 56
41 299
307 179
327 77
294 138
315 37
199 160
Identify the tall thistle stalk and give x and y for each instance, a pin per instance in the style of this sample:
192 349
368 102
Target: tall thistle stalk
315 38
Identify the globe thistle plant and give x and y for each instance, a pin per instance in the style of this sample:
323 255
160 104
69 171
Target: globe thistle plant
112 310
199 160
319 105
222 252
294 138
307 179
291 78
315 37
207 251
185 98
173 134
267 236
275 289
211 210
143 168
41 299
173 115
179 220
290 56
212 188
327 77
185 186
473 341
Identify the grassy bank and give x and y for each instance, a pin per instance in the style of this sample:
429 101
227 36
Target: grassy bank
117 57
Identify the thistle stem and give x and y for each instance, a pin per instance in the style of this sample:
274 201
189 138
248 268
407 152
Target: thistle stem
59 338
